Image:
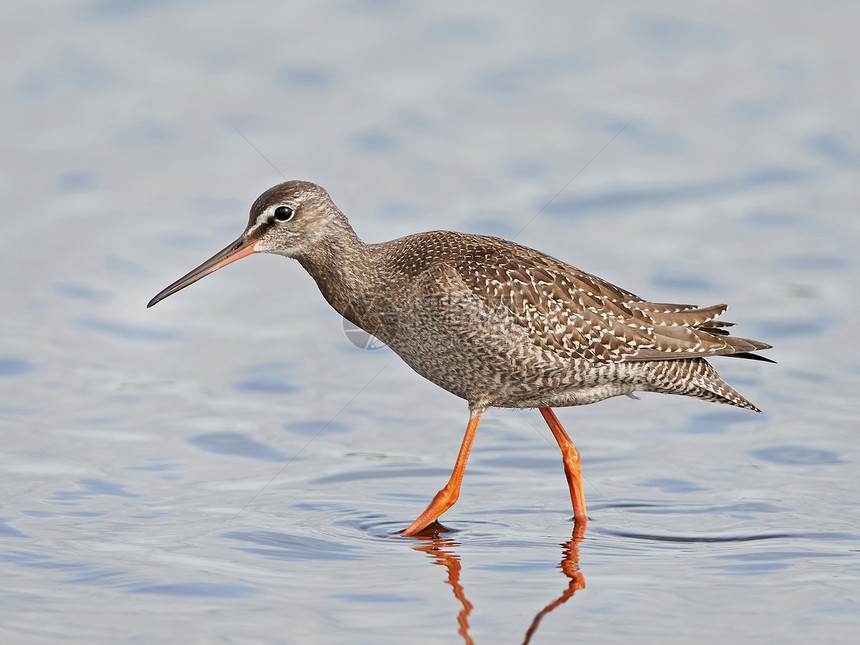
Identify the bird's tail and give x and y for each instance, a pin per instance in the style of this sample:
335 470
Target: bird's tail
694 377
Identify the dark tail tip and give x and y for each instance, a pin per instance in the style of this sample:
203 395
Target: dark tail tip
752 357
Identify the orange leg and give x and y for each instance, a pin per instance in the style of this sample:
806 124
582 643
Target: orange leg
572 465
446 497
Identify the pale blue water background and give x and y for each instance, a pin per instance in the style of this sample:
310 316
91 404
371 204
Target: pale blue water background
162 476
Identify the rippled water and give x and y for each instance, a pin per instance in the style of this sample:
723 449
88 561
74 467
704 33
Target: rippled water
230 467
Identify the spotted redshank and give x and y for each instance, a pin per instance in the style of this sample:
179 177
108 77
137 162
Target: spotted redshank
493 322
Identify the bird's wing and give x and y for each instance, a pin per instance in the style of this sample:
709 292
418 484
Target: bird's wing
578 315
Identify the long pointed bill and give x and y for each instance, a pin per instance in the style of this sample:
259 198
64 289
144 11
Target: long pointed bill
236 251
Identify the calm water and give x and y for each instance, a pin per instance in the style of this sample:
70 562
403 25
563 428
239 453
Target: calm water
229 467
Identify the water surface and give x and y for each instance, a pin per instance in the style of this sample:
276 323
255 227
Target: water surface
230 467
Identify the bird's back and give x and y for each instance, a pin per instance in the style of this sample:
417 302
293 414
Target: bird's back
490 319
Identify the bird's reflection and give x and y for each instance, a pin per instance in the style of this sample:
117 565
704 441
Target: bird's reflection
442 550
569 566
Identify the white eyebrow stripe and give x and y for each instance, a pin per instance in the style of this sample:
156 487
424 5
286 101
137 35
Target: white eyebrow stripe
262 219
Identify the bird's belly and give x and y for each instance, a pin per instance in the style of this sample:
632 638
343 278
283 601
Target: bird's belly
516 376
564 396
482 355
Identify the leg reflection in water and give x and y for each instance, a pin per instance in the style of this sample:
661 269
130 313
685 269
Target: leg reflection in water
442 551
569 566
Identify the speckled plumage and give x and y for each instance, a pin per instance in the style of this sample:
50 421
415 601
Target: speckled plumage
503 325
491 321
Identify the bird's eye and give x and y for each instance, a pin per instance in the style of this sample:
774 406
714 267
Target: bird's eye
283 213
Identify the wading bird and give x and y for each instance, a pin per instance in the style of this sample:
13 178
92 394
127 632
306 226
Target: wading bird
493 322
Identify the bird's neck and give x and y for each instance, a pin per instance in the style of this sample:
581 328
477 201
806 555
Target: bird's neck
341 265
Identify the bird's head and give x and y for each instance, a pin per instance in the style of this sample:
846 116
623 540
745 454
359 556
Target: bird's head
289 219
